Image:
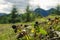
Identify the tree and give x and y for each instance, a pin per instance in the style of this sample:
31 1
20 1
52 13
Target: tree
13 15
58 10
27 14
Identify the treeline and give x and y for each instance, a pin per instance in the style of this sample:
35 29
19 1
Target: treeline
56 10
28 16
14 17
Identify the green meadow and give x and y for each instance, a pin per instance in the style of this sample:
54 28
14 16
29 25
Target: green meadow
7 33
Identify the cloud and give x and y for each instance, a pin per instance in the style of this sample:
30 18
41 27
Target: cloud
20 4
5 7
45 4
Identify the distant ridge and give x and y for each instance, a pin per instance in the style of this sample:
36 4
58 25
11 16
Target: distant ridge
50 10
2 14
43 12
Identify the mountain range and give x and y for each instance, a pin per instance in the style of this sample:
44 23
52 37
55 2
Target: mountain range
41 11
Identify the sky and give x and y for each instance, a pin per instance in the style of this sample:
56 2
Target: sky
6 5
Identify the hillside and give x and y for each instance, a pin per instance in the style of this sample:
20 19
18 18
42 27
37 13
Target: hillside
7 33
43 12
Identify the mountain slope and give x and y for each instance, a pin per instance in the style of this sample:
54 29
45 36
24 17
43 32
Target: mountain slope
43 12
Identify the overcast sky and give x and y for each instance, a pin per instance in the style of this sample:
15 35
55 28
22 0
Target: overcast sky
6 5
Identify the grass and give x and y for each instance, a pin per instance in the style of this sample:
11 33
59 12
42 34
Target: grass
7 33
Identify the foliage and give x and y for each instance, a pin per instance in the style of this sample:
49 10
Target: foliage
56 10
28 16
13 15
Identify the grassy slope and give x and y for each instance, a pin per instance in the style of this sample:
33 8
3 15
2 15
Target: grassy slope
7 33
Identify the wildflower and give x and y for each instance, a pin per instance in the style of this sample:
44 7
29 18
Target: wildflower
32 30
14 26
22 34
36 25
26 25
